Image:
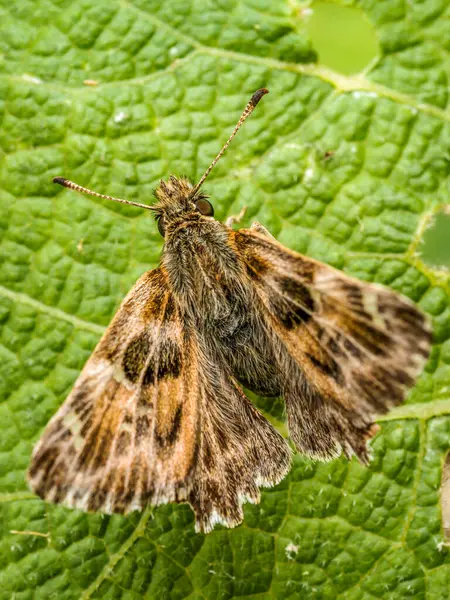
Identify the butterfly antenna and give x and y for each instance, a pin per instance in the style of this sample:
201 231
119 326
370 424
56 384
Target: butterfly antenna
79 188
247 112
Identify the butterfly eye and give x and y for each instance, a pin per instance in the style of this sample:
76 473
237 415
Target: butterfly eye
161 226
204 207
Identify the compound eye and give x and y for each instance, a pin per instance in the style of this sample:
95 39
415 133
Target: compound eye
161 226
204 207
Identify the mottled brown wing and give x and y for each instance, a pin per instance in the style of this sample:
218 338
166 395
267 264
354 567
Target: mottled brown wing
359 346
151 419
128 433
239 452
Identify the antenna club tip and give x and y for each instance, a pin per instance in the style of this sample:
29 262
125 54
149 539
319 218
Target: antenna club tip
60 180
258 95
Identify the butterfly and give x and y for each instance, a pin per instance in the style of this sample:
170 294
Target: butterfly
158 413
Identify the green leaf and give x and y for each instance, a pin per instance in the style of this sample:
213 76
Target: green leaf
173 76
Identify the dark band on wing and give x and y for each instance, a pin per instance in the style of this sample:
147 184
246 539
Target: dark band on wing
135 356
328 366
169 363
295 304
169 438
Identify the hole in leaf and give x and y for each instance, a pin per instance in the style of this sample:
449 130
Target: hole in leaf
445 499
435 247
342 36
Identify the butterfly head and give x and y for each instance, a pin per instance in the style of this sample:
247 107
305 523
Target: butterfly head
178 201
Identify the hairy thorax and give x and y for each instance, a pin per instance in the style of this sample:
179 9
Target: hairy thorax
204 271
218 302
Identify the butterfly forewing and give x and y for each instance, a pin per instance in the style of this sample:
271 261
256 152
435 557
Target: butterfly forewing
359 346
152 420
128 433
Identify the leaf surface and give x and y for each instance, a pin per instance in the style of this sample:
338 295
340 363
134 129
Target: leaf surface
349 170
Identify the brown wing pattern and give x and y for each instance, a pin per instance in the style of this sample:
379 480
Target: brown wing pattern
143 425
359 346
240 451
128 433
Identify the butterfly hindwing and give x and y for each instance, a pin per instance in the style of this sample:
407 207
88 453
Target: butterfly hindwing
359 346
240 451
128 433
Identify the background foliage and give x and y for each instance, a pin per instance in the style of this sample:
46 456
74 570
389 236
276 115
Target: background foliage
349 169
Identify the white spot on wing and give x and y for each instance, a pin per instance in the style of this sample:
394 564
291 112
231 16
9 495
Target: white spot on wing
72 422
370 303
118 373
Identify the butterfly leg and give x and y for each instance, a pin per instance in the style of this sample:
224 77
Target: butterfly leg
233 219
261 229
